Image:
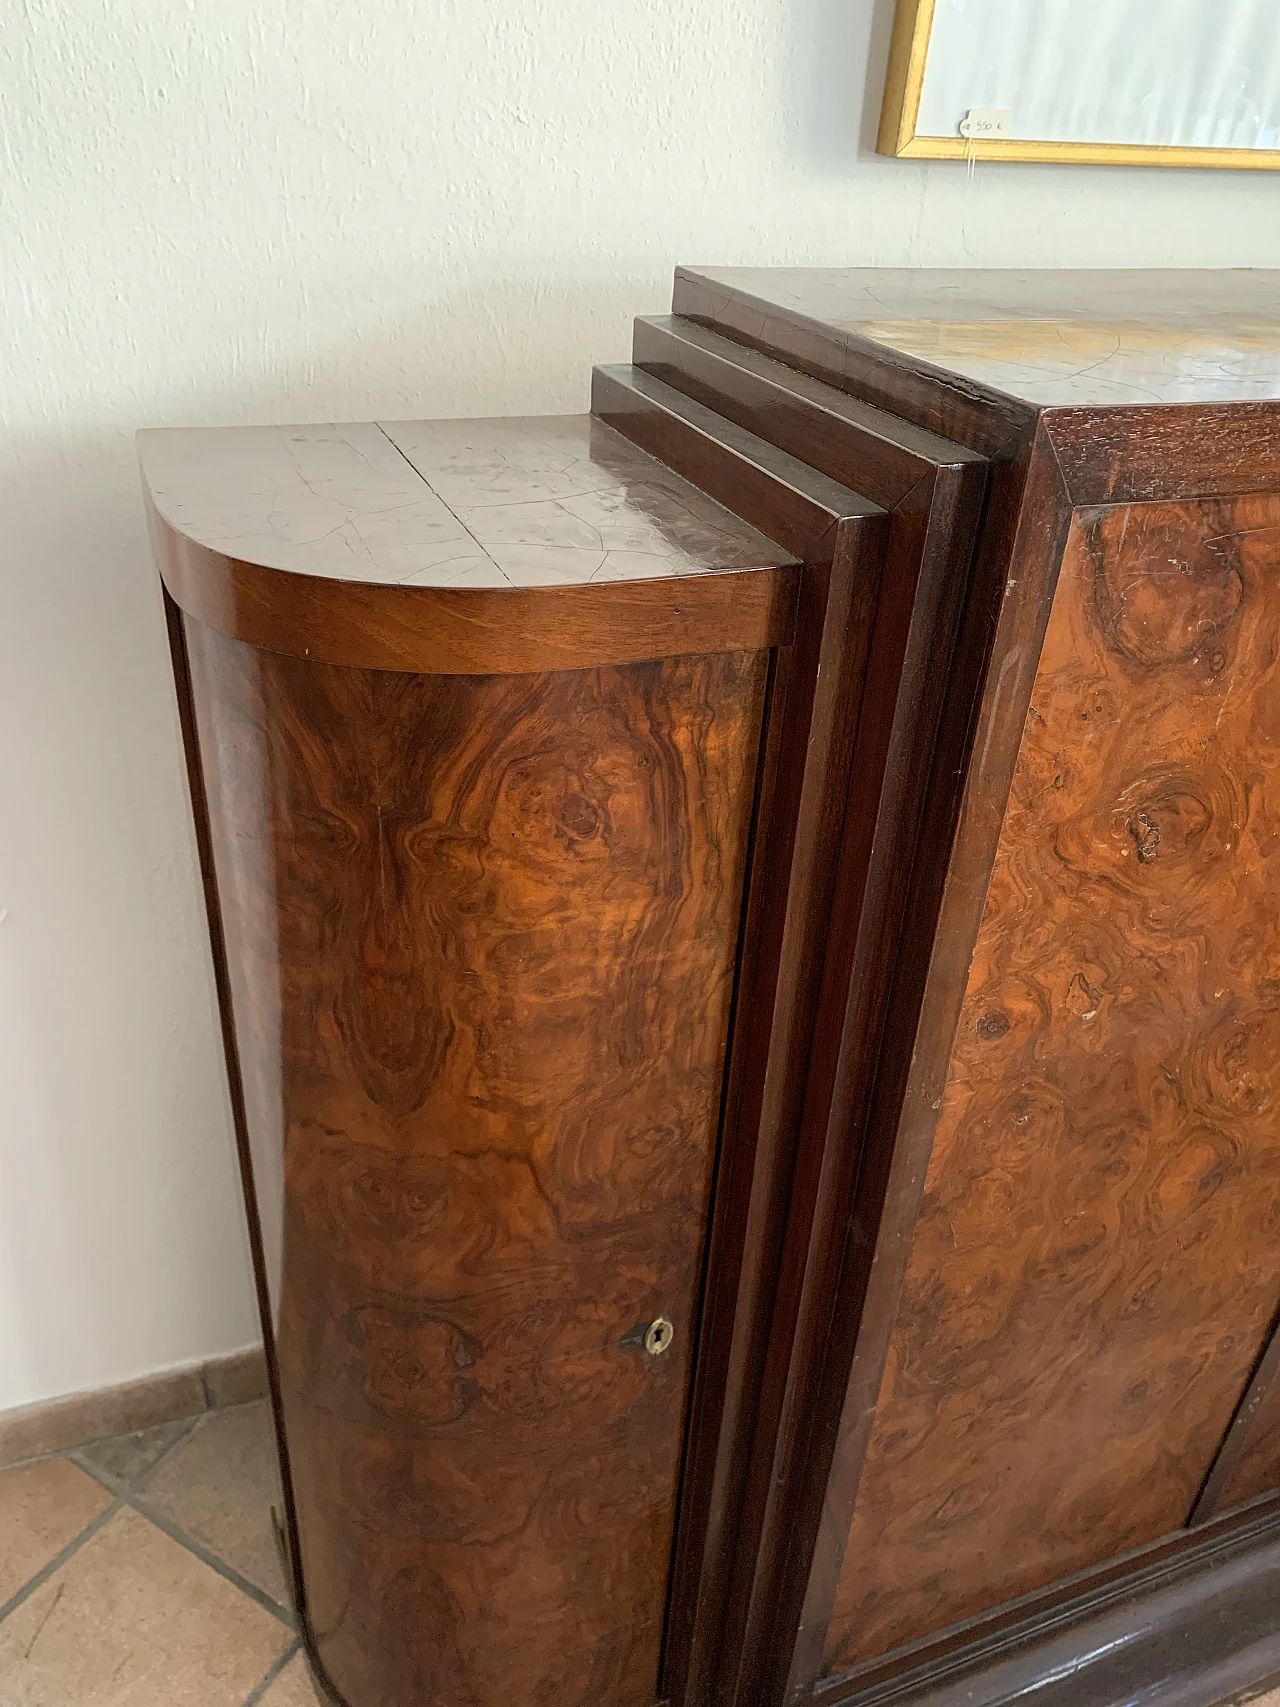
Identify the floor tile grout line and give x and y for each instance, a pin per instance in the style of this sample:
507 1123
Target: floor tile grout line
132 1497
273 1671
122 1488
171 1451
184 1440
118 1484
136 1500
228 1572
59 1559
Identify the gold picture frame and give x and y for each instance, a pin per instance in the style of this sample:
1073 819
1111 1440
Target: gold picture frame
904 82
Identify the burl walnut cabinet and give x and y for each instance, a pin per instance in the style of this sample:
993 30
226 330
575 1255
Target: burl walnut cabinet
748 935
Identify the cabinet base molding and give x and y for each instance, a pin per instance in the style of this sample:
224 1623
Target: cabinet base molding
1191 1623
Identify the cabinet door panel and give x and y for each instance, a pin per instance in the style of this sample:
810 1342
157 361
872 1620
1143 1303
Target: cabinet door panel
1096 1264
482 933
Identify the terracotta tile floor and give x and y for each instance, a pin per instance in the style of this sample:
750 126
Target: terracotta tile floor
142 1572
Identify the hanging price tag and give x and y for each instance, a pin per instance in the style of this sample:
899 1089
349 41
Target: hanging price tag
986 122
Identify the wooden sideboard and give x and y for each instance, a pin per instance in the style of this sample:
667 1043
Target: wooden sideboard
747 933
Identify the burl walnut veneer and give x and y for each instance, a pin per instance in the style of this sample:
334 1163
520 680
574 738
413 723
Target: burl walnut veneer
480 923
749 951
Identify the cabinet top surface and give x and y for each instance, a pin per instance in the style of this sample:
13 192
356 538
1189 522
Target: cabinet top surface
1053 339
517 502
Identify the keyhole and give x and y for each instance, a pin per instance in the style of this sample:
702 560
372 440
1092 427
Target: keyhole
658 1336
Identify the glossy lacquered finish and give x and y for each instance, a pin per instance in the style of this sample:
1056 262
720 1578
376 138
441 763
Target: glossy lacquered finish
977 1372
484 932
859 787
565 546
1248 1462
477 930
1095 1265
790 857
1188 1631
1052 339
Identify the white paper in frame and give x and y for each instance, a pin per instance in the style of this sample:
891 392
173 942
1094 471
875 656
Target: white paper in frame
1126 82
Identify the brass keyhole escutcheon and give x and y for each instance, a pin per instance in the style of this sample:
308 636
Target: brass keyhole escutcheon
658 1336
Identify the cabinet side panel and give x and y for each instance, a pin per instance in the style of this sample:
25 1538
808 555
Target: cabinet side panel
1096 1260
486 931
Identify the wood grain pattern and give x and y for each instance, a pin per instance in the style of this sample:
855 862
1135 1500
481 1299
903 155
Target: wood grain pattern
1135 456
876 373
1051 1627
565 546
874 452
776 492
461 987
1052 338
1095 1264
484 934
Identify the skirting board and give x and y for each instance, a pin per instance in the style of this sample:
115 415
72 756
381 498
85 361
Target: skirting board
57 1425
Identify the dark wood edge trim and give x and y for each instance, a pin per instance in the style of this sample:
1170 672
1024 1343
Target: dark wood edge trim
792 503
928 568
753 389
1236 1441
878 1141
456 631
687 1604
994 423
1110 453
324 1684
901 709
930 502
820 683
231 1057
935 520
955 1659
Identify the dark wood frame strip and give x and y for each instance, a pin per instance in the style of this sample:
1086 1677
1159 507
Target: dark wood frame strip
871 1113
287 1531
932 532
876 453
813 718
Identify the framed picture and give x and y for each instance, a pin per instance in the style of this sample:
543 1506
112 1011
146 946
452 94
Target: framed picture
1130 82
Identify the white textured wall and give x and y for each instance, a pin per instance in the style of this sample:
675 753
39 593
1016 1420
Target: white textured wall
335 208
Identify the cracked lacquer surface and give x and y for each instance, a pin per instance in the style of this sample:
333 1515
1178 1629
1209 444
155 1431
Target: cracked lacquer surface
521 502
482 934
1097 1258
1051 338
